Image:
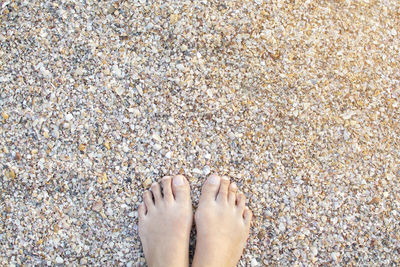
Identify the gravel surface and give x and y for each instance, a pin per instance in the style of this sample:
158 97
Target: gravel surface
297 101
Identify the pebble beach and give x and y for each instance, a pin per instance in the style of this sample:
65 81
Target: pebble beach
296 101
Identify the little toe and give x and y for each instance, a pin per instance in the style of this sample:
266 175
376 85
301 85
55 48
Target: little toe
156 190
167 190
210 188
148 200
142 211
223 189
180 188
247 215
232 193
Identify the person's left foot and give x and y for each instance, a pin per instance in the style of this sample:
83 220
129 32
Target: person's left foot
165 223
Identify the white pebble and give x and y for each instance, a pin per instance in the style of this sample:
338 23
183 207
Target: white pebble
120 90
149 26
109 211
55 133
314 251
254 263
334 256
348 114
282 227
139 89
196 170
156 137
45 72
125 148
180 67
206 170
79 71
346 135
117 71
157 146
59 260
69 117
134 76
135 111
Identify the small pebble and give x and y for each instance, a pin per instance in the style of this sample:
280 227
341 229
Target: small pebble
97 205
119 90
147 183
69 117
197 171
59 260
109 212
314 251
157 146
117 71
82 147
282 227
334 256
4 115
79 71
206 170
254 263
156 137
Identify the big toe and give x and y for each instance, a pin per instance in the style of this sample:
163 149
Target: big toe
180 188
210 187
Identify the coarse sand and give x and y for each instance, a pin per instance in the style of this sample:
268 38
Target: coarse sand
297 101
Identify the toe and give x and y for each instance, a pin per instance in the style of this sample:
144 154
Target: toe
167 190
223 189
142 211
155 188
180 188
247 215
240 202
148 200
232 193
210 188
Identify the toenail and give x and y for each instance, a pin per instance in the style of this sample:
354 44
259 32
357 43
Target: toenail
234 186
225 178
178 180
214 179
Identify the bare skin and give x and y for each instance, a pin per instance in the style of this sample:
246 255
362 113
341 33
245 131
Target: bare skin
165 223
222 224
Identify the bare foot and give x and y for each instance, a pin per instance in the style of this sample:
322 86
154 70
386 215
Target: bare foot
222 224
165 223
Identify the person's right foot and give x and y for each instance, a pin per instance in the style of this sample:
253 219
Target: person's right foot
222 224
